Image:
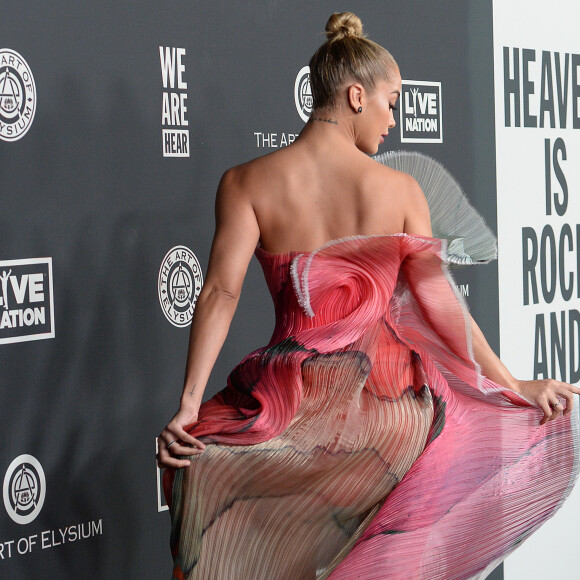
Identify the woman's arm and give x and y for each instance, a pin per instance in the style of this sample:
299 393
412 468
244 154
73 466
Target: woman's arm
235 239
540 393
417 218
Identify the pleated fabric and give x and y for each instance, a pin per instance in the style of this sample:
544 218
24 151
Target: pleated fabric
362 442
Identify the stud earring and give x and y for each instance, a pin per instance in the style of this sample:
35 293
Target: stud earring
360 109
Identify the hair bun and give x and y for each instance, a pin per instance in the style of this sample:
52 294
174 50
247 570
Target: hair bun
343 24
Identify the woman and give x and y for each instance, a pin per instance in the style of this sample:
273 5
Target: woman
361 442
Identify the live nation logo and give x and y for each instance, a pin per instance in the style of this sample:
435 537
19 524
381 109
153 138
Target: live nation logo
173 115
179 284
421 112
26 300
17 96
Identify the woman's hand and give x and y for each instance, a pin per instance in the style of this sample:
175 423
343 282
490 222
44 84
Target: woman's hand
546 394
174 441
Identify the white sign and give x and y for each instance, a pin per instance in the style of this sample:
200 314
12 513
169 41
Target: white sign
537 120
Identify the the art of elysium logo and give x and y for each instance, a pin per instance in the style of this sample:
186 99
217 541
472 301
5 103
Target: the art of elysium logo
24 489
26 300
17 96
179 284
303 93
421 112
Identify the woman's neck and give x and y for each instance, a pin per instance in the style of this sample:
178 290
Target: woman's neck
323 119
330 126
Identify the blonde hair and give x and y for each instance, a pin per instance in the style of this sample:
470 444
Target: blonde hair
347 55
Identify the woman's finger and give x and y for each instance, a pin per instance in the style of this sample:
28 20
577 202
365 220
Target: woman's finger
572 388
181 449
184 437
548 412
168 461
176 431
175 434
557 409
178 459
569 396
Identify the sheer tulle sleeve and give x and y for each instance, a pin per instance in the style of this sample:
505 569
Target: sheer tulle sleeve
453 218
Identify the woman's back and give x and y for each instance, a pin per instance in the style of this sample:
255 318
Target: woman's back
319 189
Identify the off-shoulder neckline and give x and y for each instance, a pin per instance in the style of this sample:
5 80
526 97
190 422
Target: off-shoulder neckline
336 241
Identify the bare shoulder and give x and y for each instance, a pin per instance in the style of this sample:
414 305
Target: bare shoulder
234 201
232 183
403 193
414 194
385 179
248 180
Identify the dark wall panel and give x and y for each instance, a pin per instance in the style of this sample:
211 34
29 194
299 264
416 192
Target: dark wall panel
89 187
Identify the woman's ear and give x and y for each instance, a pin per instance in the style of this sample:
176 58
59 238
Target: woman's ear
356 96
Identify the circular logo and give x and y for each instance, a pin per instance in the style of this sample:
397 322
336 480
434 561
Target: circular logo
179 284
303 93
17 96
24 489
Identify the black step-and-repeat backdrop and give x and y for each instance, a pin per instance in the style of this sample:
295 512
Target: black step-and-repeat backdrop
117 120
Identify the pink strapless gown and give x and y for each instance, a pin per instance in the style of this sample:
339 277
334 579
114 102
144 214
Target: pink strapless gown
362 442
